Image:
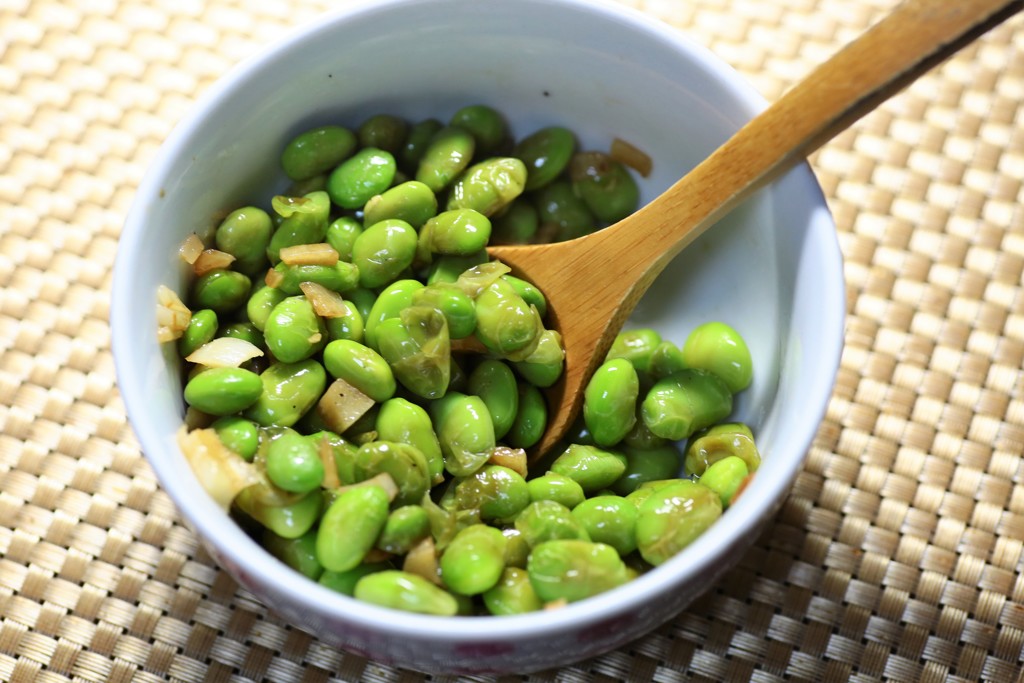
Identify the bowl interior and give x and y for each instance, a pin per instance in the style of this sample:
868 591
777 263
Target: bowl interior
771 269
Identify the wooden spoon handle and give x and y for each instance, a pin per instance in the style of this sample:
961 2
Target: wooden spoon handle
916 36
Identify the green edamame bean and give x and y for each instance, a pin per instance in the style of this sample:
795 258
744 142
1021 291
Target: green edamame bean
546 153
363 299
350 527
456 306
223 391
446 156
383 131
448 268
666 359
547 520
402 421
684 403
345 582
578 433
494 382
446 521
366 173
605 185
338 449
465 432
289 391
610 520
672 517
474 560
202 328
411 201
238 435
456 232
561 213
505 323
299 188
489 186
383 251
719 442
725 477
517 550
590 467
261 303
640 437
466 605
405 591
485 123
531 418
305 222
416 142
513 594
221 290
517 224
572 570
317 151
609 401
545 364
294 464
360 366
340 277
294 331
636 346
556 487
648 488
349 326
498 492
341 234
289 520
718 348
298 553
476 279
417 347
529 292
245 234
459 379
391 301
244 331
405 527
647 464
405 464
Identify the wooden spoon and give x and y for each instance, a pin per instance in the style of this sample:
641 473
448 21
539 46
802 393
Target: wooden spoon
592 283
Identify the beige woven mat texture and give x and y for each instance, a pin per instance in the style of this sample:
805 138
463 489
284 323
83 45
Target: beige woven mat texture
897 556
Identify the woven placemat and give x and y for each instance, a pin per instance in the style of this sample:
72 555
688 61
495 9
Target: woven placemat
896 557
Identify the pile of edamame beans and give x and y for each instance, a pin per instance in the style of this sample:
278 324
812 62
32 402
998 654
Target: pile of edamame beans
363 382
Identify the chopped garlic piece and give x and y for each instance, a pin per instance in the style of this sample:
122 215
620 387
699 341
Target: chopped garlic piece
326 303
172 316
222 473
224 352
422 560
320 254
342 404
512 458
190 249
625 153
212 259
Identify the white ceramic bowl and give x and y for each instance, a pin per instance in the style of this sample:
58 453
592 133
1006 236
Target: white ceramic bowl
772 269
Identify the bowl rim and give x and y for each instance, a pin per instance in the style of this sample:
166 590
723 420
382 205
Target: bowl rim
241 550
